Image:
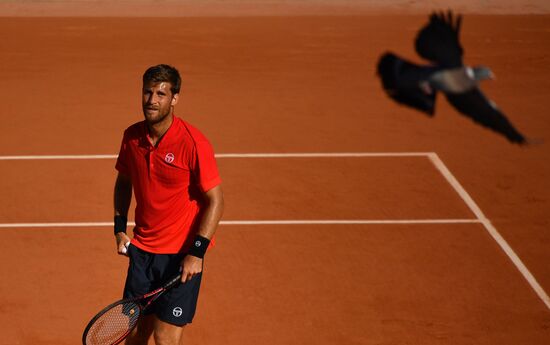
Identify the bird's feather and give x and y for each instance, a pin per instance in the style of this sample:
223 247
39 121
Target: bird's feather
401 80
483 111
438 41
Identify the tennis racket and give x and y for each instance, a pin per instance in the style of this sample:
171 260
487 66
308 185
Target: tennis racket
112 324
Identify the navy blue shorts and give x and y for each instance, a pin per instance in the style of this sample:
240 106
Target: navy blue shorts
148 271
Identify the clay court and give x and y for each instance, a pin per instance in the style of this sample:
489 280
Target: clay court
349 219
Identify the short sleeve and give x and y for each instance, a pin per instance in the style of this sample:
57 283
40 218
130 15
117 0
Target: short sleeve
205 168
122 160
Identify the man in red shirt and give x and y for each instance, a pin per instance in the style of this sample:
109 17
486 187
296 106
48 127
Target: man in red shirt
171 168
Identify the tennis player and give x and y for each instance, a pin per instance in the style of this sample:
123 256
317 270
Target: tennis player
170 167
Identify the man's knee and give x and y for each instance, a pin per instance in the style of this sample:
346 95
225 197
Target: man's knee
167 334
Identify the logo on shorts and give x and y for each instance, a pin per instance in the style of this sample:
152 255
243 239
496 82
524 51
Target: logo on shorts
169 158
177 311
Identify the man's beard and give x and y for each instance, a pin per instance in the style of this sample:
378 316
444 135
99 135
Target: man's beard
156 118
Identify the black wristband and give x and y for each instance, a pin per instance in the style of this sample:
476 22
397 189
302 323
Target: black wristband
199 246
121 223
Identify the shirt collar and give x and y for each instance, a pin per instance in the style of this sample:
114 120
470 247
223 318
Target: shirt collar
145 139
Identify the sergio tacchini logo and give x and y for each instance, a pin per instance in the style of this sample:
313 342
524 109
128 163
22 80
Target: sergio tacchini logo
169 158
177 311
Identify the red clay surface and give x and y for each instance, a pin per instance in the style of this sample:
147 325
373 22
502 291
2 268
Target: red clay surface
282 84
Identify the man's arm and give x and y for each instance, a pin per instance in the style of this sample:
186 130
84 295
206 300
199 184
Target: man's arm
190 264
212 213
122 199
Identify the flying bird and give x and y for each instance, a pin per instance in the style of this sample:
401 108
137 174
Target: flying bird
417 85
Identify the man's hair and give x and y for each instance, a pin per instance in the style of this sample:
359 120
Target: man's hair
163 73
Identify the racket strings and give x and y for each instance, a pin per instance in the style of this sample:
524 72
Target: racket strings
114 324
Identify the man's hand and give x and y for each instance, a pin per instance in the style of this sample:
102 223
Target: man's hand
121 243
190 266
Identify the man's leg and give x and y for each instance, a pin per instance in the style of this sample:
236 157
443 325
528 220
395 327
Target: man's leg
141 334
166 333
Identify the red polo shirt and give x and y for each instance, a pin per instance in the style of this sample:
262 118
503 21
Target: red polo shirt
168 182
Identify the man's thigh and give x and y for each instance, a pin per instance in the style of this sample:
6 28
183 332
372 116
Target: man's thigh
143 331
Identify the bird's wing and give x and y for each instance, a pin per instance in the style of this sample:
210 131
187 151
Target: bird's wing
483 111
438 40
401 81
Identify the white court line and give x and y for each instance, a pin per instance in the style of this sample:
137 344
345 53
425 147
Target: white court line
434 158
490 228
324 155
235 155
255 222
48 157
348 221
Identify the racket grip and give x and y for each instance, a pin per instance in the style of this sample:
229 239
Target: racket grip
125 249
172 282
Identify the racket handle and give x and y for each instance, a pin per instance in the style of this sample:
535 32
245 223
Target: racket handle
173 281
125 249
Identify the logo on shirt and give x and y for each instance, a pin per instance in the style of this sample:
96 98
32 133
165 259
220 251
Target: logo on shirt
177 311
169 158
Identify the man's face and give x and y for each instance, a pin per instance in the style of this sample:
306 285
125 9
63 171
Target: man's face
157 101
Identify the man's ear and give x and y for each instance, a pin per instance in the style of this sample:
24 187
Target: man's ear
175 98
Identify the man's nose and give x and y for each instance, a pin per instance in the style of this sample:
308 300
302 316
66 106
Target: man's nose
152 98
